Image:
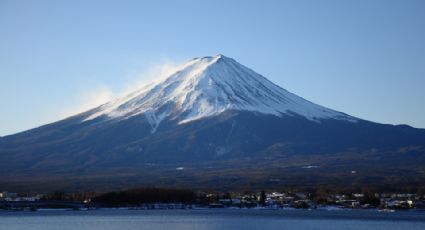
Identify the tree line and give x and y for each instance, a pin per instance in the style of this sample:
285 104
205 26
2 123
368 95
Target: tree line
146 195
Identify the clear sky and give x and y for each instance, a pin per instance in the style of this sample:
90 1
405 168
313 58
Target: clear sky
364 58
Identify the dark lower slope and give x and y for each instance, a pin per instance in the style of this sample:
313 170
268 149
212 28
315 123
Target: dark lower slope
233 150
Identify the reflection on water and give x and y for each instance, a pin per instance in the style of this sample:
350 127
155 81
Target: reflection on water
210 219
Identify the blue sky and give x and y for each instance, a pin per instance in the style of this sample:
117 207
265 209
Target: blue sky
365 58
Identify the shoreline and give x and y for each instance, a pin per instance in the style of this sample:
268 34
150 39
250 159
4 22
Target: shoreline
165 207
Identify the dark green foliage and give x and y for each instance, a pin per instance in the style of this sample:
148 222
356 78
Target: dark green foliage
145 196
58 195
62 196
370 198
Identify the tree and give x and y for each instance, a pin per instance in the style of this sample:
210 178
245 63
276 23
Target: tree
263 198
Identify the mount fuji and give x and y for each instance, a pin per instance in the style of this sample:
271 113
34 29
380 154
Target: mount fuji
213 123
209 86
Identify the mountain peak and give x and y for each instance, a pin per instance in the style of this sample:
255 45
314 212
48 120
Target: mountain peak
221 57
211 60
208 86
216 57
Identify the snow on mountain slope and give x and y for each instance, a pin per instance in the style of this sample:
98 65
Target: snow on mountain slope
209 86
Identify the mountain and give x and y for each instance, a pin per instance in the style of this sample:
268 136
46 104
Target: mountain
214 123
206 87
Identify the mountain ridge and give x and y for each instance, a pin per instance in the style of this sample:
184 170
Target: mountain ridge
208 86
183 130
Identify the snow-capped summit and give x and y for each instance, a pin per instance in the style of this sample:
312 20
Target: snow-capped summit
220 121
208 86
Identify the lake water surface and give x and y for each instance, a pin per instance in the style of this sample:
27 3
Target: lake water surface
222 219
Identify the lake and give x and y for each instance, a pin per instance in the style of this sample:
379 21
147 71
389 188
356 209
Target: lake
209 219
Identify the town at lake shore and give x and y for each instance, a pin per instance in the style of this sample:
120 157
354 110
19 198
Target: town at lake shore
155 198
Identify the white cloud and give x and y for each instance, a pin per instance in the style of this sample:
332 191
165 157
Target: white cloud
89 99
154 73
